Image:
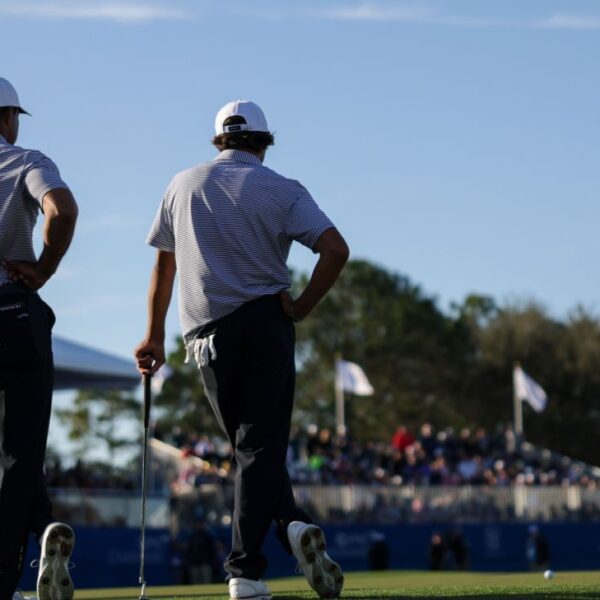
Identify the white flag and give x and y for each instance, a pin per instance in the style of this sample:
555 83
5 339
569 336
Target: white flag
351 378
529 390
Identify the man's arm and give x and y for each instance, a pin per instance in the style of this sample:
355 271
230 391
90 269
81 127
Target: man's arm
333 254
150 353
60 215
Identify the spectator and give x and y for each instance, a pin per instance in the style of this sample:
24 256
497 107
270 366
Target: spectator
537 549
427 439
402 438
379 552
201 554
437 552
458 547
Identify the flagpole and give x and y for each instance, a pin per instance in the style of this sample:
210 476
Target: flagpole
340 416
518 406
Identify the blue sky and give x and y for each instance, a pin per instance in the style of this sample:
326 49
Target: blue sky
453 141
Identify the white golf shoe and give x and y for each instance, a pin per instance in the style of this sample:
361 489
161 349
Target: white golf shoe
54 581
322 573
241 588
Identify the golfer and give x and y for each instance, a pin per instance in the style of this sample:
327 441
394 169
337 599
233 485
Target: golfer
227 226
29 184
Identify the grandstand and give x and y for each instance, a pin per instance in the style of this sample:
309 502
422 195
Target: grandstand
443 476
488 484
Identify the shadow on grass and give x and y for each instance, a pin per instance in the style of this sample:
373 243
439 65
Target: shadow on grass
574 595
528 596
592 595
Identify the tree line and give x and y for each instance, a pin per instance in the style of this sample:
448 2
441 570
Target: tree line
451 368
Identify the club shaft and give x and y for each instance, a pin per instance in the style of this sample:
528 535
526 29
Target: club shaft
147 404
147 399
143 518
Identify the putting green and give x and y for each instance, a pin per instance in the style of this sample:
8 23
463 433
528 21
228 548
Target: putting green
402 585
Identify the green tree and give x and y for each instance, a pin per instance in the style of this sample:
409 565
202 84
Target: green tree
409 349
105 417
452 369
564 357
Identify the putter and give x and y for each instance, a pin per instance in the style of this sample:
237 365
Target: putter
147 378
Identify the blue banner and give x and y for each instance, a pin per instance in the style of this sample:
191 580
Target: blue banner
109 557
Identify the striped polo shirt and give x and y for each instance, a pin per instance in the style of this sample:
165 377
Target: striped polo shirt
26 176
230 223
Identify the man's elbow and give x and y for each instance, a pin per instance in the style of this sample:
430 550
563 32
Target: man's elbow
68 214
60 204
67 210
341 251
332 247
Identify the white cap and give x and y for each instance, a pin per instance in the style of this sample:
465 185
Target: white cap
252 113
9 96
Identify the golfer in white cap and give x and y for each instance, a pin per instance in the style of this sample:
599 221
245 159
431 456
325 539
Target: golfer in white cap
227 227
29 184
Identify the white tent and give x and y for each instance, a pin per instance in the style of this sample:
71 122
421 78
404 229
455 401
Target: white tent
78 367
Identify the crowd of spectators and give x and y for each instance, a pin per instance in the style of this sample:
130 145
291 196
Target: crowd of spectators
425 458
436 465
96 476
440 464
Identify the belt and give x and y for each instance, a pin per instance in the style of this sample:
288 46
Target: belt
13 288
203 330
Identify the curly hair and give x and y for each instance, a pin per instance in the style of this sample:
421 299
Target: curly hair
249 141
4 110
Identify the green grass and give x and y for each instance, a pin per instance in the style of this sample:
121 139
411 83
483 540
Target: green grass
401 585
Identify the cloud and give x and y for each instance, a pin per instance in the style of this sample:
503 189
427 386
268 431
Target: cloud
371 12
409 13
123 12
421 14
418 13
565 21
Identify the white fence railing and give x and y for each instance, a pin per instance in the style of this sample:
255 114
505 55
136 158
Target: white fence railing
108 508
413 504
341 504
391 504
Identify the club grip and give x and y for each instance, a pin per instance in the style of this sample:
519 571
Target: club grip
147 398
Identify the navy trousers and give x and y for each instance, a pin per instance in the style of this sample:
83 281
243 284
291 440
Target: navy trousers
250 385
26 381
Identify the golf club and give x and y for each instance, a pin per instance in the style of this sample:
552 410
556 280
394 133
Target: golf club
147 379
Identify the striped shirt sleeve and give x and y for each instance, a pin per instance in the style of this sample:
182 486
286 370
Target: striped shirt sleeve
41 175
306 221
161 234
